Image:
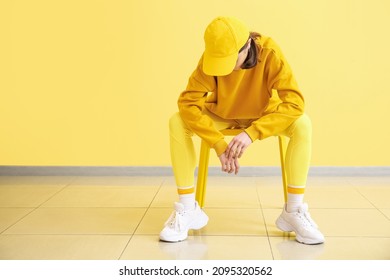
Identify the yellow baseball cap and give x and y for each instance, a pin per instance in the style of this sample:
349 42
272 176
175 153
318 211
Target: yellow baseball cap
224 37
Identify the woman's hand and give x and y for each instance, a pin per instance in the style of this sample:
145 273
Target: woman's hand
229 165
238 145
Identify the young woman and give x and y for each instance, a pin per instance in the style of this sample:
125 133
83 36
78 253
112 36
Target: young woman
232 87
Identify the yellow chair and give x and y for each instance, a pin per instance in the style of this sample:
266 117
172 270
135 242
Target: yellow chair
204 164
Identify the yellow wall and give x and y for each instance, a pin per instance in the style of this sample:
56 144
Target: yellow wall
93 82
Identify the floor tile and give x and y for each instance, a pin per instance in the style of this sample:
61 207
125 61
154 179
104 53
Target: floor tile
335 197
153 221
238 248
198 248
352 222
234 222
270 191
231 197
9 216
386 212
62 247
379 196
103 196
26 196
236 192
119 181
271 196
270 216
79 221
269 181
35 180
166 196
287 248
334 248
382 181
321 192
231 181
326 181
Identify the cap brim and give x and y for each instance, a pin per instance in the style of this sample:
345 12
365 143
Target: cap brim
219 66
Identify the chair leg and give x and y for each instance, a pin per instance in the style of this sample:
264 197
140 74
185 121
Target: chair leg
282 151
202 173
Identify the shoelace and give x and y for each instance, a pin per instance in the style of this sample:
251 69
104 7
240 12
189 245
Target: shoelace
308 217
305 217
174 220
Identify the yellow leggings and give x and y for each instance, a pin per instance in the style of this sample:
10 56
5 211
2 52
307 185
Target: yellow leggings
184 159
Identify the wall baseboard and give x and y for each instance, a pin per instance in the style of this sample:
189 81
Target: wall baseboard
5 170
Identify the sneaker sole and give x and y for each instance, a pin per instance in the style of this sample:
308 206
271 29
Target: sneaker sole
308 241
177 238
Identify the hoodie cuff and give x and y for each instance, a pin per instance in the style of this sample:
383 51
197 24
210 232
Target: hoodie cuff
220 147
253 133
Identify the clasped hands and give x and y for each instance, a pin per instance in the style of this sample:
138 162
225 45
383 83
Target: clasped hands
235 149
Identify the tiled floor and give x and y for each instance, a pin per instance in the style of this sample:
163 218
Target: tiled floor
111 218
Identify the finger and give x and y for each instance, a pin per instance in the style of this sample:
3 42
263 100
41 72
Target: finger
237 166
242 150
238 152
224 165
231 147
228 151
231 169
227 167
233 152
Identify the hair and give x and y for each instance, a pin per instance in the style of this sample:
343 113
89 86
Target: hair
251 59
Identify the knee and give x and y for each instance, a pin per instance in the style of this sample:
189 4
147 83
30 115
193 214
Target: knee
303 126
178 128
175 121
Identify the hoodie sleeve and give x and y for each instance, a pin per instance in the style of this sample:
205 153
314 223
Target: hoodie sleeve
279 77
191 104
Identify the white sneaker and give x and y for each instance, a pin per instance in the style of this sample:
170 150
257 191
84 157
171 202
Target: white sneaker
302 224
177 226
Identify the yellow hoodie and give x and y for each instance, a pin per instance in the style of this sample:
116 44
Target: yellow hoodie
243 94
